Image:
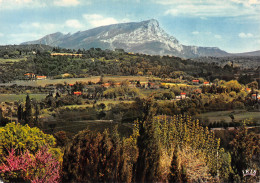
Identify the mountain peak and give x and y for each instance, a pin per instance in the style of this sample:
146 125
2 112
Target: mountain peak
140 37
151 22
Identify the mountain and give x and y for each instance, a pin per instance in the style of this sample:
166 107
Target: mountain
248 54
139 37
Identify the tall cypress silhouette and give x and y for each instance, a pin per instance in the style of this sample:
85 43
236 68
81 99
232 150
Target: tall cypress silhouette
28 112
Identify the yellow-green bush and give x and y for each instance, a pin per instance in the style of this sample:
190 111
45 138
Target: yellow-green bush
19 137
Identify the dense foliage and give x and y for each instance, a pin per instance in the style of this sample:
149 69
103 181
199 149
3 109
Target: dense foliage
28 154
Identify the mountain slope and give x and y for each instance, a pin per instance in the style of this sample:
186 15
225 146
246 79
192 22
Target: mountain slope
248 54
142 37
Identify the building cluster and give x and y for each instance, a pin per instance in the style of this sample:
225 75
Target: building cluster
33 76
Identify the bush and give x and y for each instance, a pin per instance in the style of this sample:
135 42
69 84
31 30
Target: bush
22 138
41 167
28 154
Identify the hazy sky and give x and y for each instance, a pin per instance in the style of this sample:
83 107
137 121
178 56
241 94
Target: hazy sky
231 25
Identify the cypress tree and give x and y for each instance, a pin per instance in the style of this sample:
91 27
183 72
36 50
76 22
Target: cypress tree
147 165
20 113
28 112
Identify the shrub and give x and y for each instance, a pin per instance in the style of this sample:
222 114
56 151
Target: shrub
22 138
41 167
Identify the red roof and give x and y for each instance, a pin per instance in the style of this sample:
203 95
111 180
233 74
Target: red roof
206 82
183 93
195 80
77 93
106 84
28 74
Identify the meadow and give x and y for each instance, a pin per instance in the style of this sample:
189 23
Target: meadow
20 97
94 79
239 115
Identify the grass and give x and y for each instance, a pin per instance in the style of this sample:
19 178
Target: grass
20 97
2 60
239 115
74 80
73 127
106 102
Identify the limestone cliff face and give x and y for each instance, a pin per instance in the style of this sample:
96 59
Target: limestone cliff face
140 37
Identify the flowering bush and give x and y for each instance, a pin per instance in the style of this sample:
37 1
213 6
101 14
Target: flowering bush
38 168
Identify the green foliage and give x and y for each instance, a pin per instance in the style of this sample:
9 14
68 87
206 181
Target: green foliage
181 132
245 150
233 85
148 162
96 157
17 136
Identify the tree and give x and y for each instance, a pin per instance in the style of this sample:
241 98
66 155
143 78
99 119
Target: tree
245 150
253 85
96 157
20 113
233 85
147 165
28 112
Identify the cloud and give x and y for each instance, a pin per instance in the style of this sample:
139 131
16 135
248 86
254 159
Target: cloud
73 23
247 2
16 4
96 20
195 32
1 34
38 27
22 37
245 35
66 2
211 8
218 36
32 4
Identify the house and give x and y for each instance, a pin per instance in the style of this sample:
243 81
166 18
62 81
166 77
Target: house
106 85
41 77
29 75
183 95
178 97
255 96
195 81
117 84
206 83
77 93
248 90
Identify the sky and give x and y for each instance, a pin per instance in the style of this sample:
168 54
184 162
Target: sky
231 25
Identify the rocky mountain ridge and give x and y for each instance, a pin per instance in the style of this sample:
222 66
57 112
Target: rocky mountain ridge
140 37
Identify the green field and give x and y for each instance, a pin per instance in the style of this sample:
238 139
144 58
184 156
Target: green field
239 115
20 97
94 79
9 60
74 127
106 102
